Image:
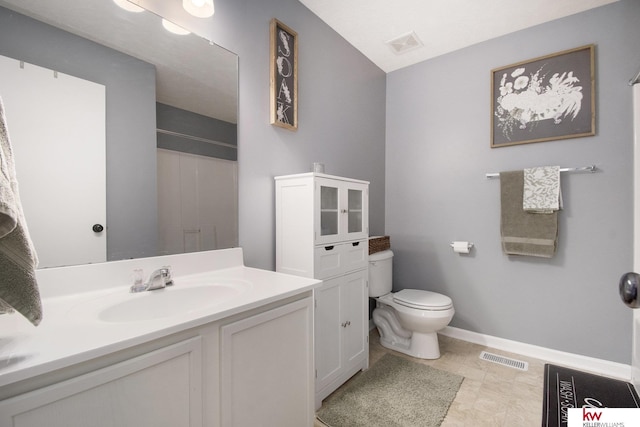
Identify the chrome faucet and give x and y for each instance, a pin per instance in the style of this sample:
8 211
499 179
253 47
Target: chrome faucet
157 280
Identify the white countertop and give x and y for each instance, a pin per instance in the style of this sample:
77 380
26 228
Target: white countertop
71 331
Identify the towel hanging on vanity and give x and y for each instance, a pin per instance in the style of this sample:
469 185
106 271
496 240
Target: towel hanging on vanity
542 190
524 233
18 259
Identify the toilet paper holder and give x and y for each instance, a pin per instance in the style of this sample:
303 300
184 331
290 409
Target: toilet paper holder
461 247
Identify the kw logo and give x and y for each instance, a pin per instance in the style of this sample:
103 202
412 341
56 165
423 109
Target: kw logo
590 415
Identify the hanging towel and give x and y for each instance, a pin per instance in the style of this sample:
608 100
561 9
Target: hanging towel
524 233
542 190
18 259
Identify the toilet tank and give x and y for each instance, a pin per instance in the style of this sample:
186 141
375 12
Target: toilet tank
380 273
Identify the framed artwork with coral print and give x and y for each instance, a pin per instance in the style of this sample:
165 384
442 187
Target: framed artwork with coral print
544 99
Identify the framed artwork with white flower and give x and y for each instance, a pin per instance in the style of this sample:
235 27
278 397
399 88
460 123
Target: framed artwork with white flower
544 99
284 75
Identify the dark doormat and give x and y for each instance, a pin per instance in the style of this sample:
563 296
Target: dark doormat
566 388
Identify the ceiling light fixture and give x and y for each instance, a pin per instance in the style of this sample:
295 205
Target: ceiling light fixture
128 6
173 28
199 8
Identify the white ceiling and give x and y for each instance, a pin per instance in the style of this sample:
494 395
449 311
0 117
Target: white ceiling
441 25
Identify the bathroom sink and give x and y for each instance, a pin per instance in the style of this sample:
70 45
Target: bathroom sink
163 303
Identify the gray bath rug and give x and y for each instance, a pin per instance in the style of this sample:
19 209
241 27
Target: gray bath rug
392 392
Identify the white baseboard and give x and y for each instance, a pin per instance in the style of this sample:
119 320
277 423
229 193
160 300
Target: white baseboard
570 360
556 357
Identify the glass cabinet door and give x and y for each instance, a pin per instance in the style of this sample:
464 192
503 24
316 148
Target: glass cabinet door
329 214
354 210
342 212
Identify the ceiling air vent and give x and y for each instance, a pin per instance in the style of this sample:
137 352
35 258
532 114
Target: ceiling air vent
405 43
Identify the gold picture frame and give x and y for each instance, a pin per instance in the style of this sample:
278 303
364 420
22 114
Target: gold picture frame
544 99
284 76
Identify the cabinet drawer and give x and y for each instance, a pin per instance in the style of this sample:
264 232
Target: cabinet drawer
331 260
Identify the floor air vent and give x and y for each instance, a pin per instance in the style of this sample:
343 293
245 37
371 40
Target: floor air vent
506 361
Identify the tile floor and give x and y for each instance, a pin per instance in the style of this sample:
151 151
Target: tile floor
491 395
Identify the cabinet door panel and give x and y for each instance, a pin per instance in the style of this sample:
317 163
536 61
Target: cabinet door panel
328 333
160 389
266 367
330 220
342 210
354 298
356 207
295 225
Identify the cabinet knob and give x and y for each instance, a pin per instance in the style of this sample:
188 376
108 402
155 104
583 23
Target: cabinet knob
343 211
345 324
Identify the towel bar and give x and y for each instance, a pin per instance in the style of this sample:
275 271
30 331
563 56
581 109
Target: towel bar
590 168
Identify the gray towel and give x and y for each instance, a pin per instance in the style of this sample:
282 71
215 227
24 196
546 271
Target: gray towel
18 259
524 233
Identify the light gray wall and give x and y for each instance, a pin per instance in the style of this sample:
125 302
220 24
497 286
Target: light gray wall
341 114
437 155
130 123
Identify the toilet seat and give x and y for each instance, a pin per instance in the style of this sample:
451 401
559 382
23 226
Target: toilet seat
422 300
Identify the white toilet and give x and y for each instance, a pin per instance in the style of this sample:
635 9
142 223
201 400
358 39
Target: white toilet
407 320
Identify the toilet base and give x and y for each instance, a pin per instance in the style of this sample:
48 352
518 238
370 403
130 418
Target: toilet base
421 345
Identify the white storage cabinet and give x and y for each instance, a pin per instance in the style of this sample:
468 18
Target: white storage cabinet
322 228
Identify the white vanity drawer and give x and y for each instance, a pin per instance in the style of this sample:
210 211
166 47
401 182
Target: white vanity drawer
331 260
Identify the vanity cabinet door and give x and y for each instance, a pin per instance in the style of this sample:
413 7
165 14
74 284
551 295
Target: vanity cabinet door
266 375
160 389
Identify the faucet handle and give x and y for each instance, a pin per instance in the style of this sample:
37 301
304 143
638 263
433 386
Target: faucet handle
138 280
166 272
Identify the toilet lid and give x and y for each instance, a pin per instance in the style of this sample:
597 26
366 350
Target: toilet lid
423 300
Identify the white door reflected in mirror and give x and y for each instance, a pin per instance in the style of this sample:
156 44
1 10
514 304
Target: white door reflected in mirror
57 132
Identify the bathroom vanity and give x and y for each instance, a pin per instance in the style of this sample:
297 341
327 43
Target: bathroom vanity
226 345
322 229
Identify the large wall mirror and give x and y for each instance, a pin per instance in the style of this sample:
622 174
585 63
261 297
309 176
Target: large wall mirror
163 106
